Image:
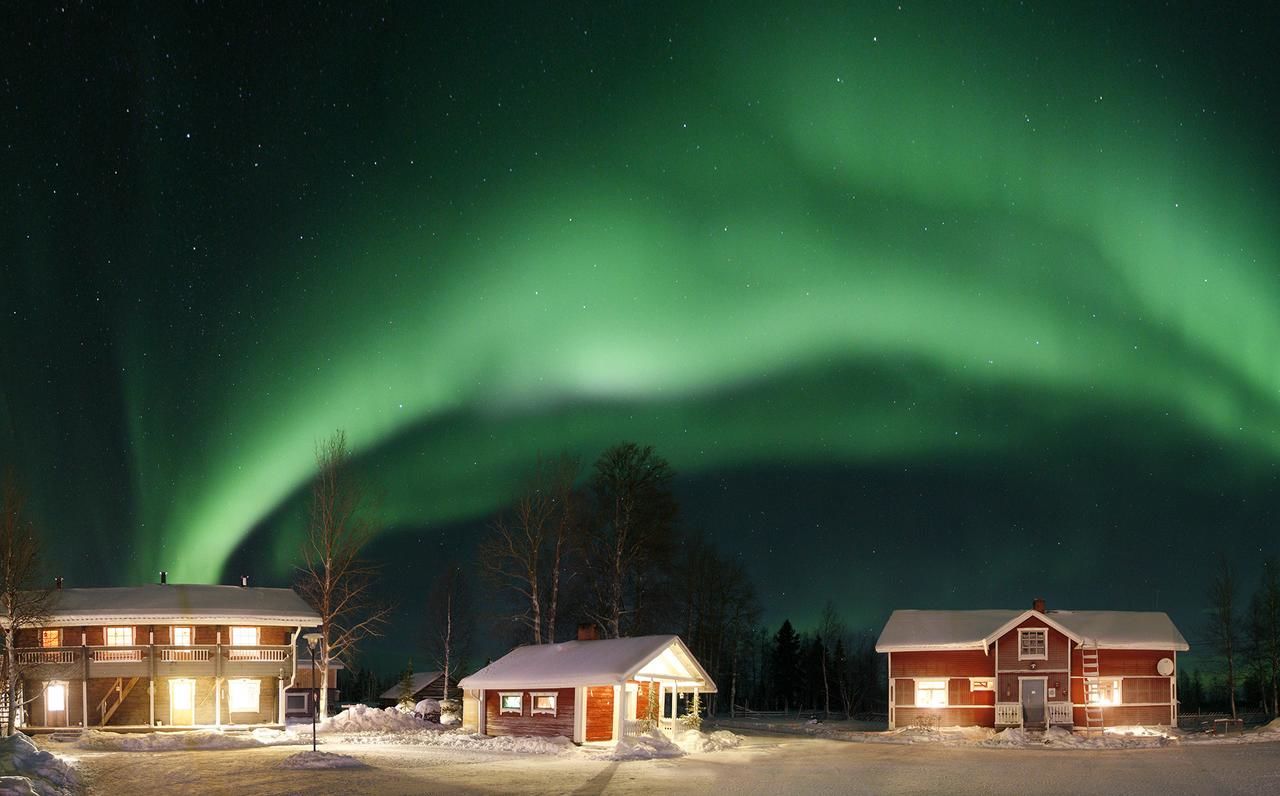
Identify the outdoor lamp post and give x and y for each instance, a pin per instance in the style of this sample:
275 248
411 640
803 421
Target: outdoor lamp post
313 642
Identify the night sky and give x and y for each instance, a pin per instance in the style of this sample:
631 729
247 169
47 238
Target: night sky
928 306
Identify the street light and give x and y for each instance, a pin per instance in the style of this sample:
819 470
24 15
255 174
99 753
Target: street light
313 642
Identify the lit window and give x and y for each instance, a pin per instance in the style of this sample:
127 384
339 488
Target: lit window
242 696
511 703
51 638
1033 644
931 693
244 636
543 703
182 636
55 697
1104 692
119 637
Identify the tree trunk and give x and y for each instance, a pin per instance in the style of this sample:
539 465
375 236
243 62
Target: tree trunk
323 684
11 682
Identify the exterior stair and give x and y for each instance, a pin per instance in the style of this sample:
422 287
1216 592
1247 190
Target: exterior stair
121 692
1089 669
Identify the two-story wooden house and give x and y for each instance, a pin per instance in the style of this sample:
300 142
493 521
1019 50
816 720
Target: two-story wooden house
162 655
1033 669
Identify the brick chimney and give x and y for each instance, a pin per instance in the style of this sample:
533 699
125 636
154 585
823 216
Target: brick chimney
164 577
587 631
1038 605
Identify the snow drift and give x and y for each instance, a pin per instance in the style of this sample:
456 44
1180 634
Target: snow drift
26 769
102 741
309 759
362 718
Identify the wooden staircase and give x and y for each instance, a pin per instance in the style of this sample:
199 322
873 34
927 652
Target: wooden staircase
1089 669
120 690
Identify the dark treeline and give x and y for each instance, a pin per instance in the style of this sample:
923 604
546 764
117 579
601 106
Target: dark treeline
1246 638
606 548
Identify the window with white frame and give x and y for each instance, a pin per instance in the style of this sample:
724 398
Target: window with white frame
120 637
982 684
296 702
1103 691
511 703
182 636
1033 644
244 636
51 638
242 695
55 696
931 693
542 702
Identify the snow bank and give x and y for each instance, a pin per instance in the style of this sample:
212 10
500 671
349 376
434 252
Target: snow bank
25 769
362 718
648 746
1271 726
311 759
427 707
100 740
696 741
1057 737
454 739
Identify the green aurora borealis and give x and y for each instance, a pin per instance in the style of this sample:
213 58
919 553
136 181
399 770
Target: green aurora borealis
967 286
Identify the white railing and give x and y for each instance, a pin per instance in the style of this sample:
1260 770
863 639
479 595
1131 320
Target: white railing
1060 713
1008 713
48 656
183 654
273 655
117 656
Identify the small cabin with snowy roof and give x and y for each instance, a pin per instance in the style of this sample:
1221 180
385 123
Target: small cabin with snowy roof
1032 669
422 685
589 690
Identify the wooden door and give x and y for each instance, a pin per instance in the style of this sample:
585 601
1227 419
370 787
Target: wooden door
55 705
182 702
1033 707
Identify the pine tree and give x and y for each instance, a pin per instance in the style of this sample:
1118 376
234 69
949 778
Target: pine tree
786 664
406 687
693 713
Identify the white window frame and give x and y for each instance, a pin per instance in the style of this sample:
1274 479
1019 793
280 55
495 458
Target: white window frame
257 636
173 635
106 635
534 710
1023 634
503 710
55 630
942 685
239 687
982 683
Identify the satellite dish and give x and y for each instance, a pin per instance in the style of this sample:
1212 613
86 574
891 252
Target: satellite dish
1164 667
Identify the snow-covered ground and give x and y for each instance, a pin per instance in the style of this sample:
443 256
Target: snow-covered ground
430 759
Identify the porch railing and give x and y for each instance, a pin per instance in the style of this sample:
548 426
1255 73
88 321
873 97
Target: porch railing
117 654
1008 713
185 654
48 656
268 654
1060 713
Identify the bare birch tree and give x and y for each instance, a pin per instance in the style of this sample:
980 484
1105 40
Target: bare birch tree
631 536
334 578
528 544
25 604
1223 628
1264 634
829 627
449 624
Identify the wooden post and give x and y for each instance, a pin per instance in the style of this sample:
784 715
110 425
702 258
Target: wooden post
619 694
151 672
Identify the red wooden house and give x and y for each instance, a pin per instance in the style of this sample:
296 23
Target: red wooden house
586 690
1033 669
161 655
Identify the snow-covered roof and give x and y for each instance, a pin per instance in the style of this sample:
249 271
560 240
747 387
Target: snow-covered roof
177 602
600 662
956 630
419 681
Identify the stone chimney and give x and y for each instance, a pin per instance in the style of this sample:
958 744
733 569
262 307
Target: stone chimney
164 577
587 631
1038 605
